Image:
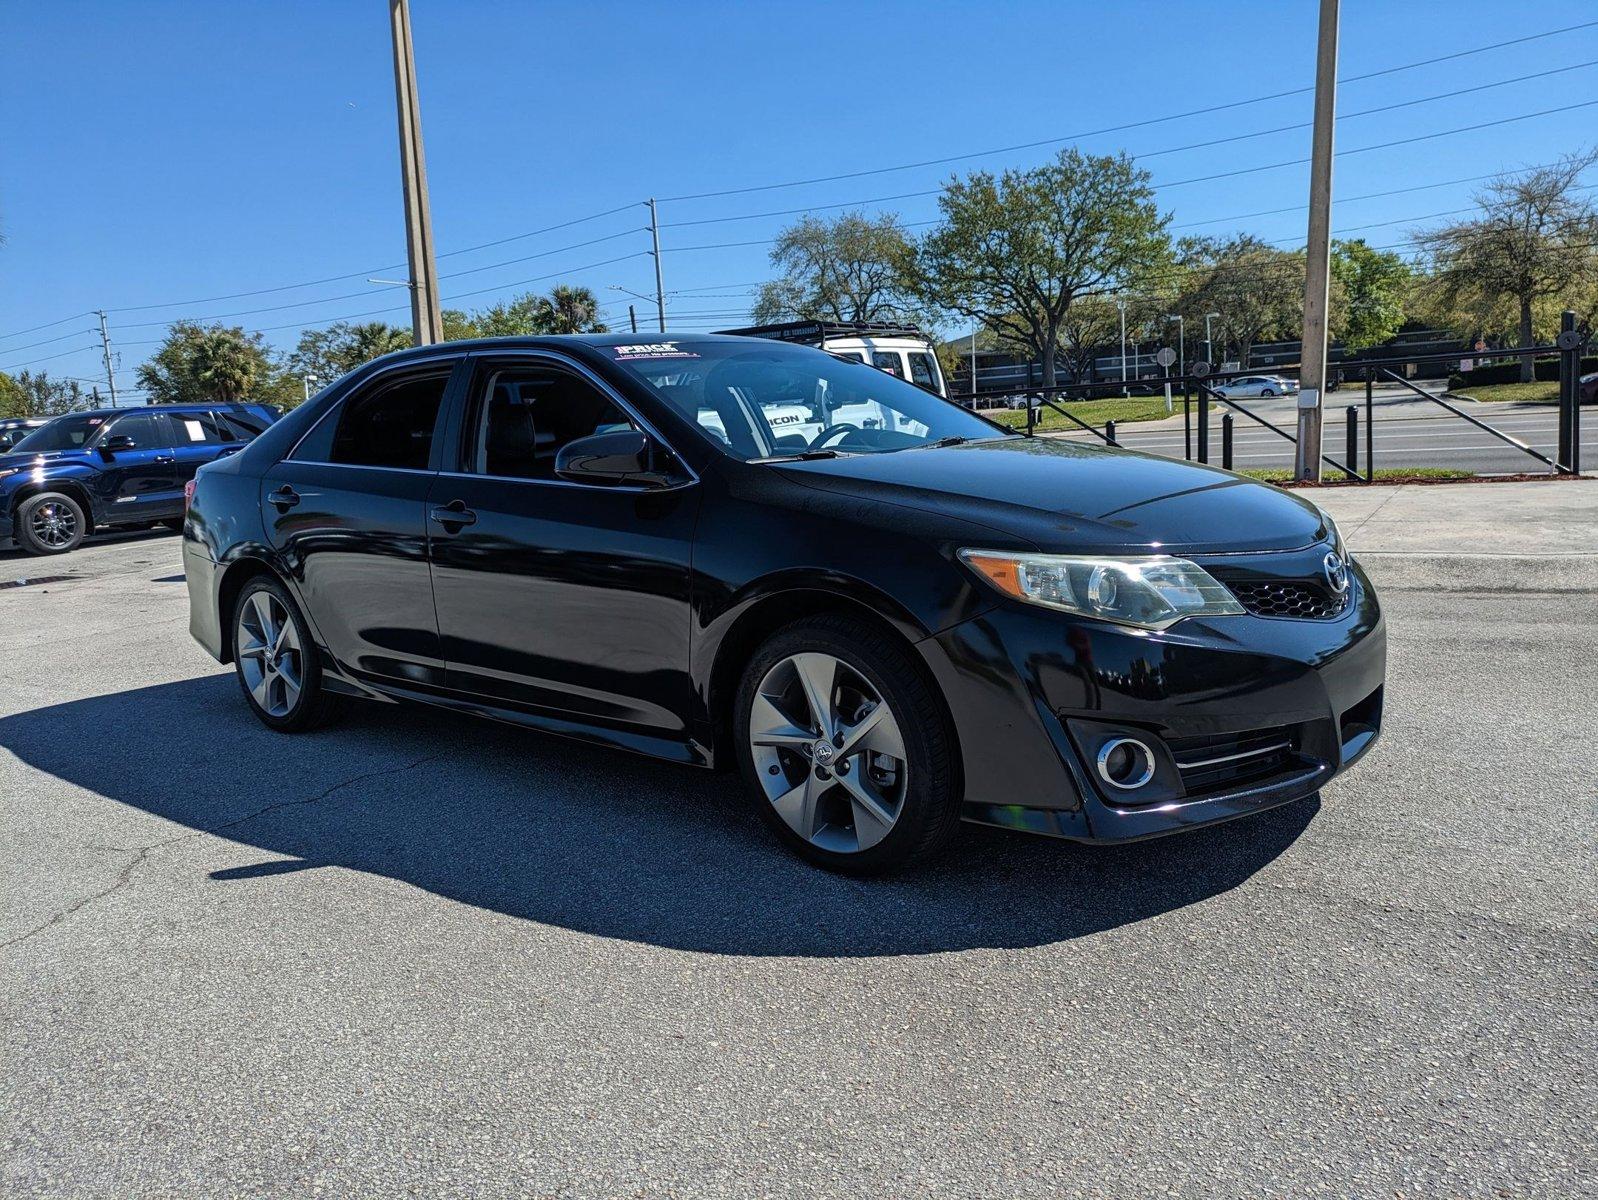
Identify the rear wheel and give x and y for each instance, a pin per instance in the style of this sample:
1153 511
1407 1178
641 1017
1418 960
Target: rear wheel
1268 392
845 747
50 523
275 661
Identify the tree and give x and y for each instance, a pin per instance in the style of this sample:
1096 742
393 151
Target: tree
198 363
337 350
1372 287
565 310
1256 289
852 268
37 395
1527 254
1019 251
13 400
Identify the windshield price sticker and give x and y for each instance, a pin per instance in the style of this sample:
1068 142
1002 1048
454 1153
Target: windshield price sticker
652 350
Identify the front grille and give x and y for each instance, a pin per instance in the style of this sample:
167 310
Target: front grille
1299 598
1226 760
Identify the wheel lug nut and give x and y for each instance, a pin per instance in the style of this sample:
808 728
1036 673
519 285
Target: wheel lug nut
837 740
774 769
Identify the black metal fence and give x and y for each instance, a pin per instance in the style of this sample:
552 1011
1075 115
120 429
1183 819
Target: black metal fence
1199 396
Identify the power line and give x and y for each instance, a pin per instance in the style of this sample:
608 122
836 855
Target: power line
46 358
46 325
934 162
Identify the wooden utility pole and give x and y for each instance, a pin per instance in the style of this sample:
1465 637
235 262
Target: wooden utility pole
105 348
1317 280
427 326
660 279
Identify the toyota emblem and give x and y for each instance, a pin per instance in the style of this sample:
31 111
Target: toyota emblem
1336 573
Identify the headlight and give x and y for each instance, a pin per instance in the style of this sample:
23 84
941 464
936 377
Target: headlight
1151 592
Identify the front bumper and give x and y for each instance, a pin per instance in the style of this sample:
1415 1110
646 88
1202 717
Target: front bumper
1035 694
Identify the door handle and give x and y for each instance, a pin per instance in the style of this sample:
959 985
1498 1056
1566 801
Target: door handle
284 498
165 458
455 514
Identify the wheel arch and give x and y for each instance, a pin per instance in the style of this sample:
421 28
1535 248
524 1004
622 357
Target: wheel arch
235 576
66 487
761 616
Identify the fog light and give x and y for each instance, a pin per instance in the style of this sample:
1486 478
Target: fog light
1125 763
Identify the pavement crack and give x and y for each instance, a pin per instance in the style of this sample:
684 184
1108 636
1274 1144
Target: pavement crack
1371 516
139 854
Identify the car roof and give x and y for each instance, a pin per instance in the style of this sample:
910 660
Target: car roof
556 341
121 409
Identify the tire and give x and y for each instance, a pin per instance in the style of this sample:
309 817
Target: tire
50 523
1267 393
268 681
921 791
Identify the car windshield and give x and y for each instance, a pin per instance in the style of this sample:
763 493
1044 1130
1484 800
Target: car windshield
63 433
764 400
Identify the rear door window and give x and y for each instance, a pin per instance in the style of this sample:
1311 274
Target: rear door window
199 429
888 360
387 424
922 371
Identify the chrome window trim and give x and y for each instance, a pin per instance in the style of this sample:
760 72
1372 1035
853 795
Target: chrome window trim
452 357
510 357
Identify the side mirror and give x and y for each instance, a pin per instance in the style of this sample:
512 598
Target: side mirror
117 441
620 456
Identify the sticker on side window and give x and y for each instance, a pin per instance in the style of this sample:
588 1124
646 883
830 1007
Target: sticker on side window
652 350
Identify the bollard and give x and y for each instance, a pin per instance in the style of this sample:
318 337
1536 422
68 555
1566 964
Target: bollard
1226 440
1370 427
1352 444
1030 417
1203 424
1109 433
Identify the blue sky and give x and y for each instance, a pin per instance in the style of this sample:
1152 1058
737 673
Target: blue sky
157 154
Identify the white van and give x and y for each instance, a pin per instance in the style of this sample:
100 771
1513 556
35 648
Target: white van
901 350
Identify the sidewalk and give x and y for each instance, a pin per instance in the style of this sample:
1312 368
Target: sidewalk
1507 536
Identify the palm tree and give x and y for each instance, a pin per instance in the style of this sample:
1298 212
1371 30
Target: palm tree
224 365
571 310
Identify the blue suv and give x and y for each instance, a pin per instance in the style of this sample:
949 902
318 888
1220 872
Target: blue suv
114 467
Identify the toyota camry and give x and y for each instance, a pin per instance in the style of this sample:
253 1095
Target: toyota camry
887 613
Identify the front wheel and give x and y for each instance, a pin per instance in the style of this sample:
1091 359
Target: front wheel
50 523
846 749
275 661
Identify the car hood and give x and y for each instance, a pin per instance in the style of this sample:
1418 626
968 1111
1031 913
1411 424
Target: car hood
1068 497
45 458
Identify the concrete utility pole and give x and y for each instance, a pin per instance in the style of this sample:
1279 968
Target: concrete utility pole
427 325
1312 354
660 284
105 348
973 364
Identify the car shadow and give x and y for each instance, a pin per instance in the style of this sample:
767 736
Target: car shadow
545 830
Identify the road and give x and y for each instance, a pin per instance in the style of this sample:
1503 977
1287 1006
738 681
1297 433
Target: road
1408 432
422 955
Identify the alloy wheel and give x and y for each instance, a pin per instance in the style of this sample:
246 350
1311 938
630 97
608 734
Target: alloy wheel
829 753
54 525
270 655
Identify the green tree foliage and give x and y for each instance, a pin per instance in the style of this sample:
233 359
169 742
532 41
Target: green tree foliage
1529 253
565 310
13 400
851 268
199 363
1018 251
1372 287
35 394
1257 290
326 354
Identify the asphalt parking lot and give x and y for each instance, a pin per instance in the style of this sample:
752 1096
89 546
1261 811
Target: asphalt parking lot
423 955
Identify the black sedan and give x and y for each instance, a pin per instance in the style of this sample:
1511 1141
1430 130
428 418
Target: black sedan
885 611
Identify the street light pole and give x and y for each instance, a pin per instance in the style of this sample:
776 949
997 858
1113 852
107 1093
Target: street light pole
1181 341
1121 304
1318 252
973 365
427 325
1209 346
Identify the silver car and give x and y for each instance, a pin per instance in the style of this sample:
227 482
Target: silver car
1257 385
